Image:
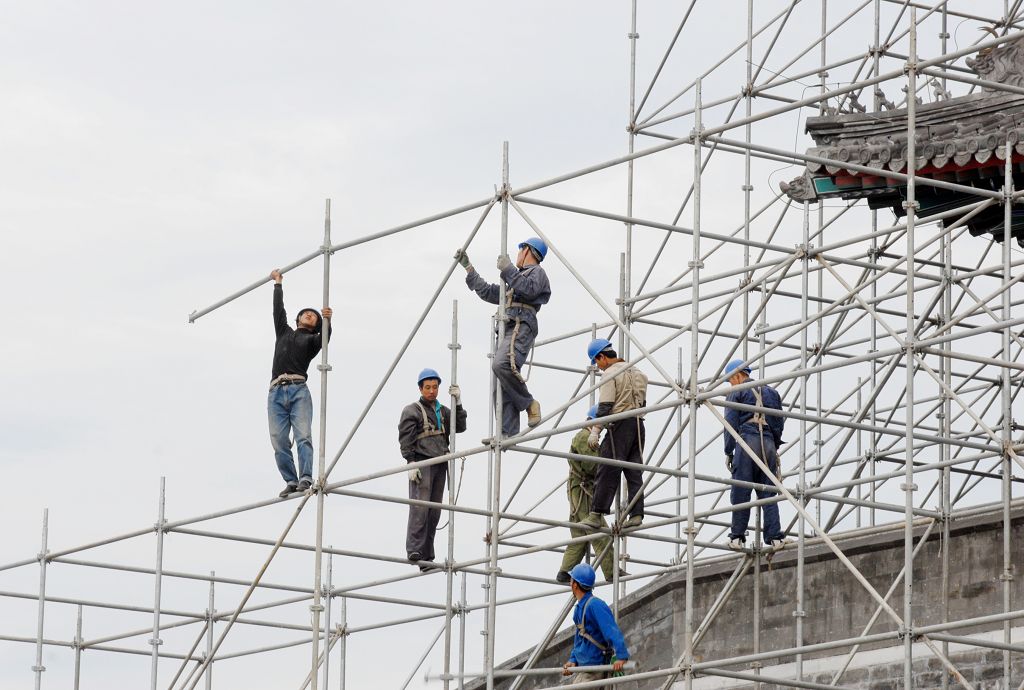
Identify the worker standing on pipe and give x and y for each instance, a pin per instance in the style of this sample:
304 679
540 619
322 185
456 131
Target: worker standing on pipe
289 404
763 434
623 388
598 640
423 432
526 290
580 490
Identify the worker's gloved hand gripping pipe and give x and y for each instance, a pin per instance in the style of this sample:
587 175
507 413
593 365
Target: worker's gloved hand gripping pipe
415 476
503 262
594 441
463 258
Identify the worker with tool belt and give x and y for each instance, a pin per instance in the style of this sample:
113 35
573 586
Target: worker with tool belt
424 430
526 289
289 404
623 388
598 640
763 434
580 490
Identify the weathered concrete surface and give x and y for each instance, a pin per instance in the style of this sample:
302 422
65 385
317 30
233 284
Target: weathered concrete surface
837 607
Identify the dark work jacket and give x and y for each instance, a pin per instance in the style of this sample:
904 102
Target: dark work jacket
528 286
295 348
410 425
742 420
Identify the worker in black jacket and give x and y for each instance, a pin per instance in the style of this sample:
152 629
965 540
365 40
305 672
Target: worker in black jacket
289 404
424 429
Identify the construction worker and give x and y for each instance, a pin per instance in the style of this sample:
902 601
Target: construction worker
623 388
424 429
580 488
763 434
526 290
598 640
289 404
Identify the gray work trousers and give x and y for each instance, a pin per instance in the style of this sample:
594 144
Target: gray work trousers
419 534
586 677
515 396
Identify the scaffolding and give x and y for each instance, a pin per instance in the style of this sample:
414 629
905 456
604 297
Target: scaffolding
820 300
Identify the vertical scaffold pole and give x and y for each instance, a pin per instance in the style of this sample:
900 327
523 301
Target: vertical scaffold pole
450 559
691 480
78 648
945 430
908 486
631 128
210 613
342 643
495 488
158 572
799 613
317 606
873 255
39 668
328 598
1007 428
462 630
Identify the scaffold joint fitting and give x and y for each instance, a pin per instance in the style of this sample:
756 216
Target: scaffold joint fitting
695 264
916 205
632 35
38 669
316 608
747 188
908 487
324 367
799 614
155 642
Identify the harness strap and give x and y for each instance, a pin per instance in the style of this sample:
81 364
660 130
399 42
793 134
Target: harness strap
580 628
428 428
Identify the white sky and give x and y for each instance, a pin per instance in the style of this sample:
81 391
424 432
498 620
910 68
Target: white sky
155 158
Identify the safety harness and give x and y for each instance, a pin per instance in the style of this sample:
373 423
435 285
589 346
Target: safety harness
428 428
761 422
509 304
581 630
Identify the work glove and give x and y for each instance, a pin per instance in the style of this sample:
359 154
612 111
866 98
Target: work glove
463 258
503 262
594 441
455 391
728 462
415 475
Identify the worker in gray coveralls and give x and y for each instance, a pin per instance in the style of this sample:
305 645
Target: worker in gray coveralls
527 288
423 432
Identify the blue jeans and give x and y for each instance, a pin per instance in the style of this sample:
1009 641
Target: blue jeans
744 469
290 409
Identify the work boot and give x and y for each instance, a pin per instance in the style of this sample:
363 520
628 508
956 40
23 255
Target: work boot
611 578
562 577
288 490
414 556
737 545
592 520
533 413
634 521
779 544
305 483
429 568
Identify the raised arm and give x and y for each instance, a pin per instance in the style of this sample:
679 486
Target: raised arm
488 292
280 317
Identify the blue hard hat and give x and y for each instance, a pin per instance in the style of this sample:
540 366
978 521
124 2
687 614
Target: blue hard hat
584 575
596 347
592 412
428 373
732 366
536 244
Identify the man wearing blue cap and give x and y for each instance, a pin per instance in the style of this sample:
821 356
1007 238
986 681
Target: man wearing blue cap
598 640
580 491
526 289
762 433
423 432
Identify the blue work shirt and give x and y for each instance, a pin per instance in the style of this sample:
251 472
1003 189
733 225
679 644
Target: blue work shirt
528 285
742 420
600 624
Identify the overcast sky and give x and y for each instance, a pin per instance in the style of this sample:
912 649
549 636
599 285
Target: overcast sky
155 158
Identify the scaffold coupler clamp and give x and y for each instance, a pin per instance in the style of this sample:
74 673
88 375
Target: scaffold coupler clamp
916 205
324 367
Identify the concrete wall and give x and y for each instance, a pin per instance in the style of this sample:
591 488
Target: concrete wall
836 607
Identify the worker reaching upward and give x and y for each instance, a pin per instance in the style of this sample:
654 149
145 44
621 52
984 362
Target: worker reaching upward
526 290
289 404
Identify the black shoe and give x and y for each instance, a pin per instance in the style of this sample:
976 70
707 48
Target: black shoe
429 568
622 573
414 556
562 577
305 483
288 490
